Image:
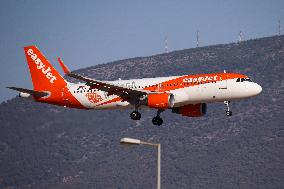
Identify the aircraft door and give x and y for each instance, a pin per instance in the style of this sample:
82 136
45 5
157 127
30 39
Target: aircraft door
223 82
65 92
160 86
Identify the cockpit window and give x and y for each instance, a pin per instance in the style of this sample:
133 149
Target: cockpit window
243 79
246 79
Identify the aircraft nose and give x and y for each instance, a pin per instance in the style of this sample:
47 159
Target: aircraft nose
257 89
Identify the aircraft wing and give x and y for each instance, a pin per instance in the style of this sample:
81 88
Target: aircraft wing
36 94
126 93
110 88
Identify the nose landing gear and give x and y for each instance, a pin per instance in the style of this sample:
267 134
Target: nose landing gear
228 112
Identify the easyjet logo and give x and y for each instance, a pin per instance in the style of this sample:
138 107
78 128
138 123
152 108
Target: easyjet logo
41 66
200 79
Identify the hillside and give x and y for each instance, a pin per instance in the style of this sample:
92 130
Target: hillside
44 146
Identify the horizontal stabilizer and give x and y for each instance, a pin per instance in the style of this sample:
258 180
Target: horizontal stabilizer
36 94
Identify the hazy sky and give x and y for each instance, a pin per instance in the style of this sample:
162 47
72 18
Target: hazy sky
86 33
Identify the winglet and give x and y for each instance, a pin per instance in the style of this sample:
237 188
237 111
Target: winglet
63 66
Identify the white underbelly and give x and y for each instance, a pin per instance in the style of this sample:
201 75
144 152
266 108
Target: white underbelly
204 93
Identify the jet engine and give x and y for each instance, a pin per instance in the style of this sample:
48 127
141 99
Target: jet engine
160 100
191 110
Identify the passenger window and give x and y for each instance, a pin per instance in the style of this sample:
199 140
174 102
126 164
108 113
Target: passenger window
238 80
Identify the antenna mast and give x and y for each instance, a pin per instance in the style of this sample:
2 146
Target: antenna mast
197 38
166 45
279 27
241 37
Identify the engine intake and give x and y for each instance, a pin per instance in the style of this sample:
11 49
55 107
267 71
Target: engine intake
160 100
191 110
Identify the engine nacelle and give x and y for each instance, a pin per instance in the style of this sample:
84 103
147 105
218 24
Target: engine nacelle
191 110
160 100
24 95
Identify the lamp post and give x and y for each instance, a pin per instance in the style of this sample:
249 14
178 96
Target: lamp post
139 142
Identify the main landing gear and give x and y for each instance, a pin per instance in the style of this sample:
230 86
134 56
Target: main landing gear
157 120
135 115
228 112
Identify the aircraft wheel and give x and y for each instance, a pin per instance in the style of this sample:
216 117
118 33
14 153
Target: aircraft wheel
229 113
135 115
157 121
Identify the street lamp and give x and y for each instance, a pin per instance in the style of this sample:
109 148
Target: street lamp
139 142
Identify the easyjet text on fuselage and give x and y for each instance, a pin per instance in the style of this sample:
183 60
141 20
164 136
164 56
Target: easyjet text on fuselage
200 79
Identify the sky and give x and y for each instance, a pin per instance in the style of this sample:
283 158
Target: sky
87 33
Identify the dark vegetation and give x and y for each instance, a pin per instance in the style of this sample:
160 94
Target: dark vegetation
44 146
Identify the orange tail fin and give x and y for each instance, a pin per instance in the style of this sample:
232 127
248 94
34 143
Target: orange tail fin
44 75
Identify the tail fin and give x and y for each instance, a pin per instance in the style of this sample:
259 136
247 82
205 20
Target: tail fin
44 75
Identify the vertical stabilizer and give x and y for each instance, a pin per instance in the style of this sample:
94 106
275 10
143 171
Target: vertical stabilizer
44 76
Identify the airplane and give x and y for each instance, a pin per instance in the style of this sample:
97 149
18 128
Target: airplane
186 95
